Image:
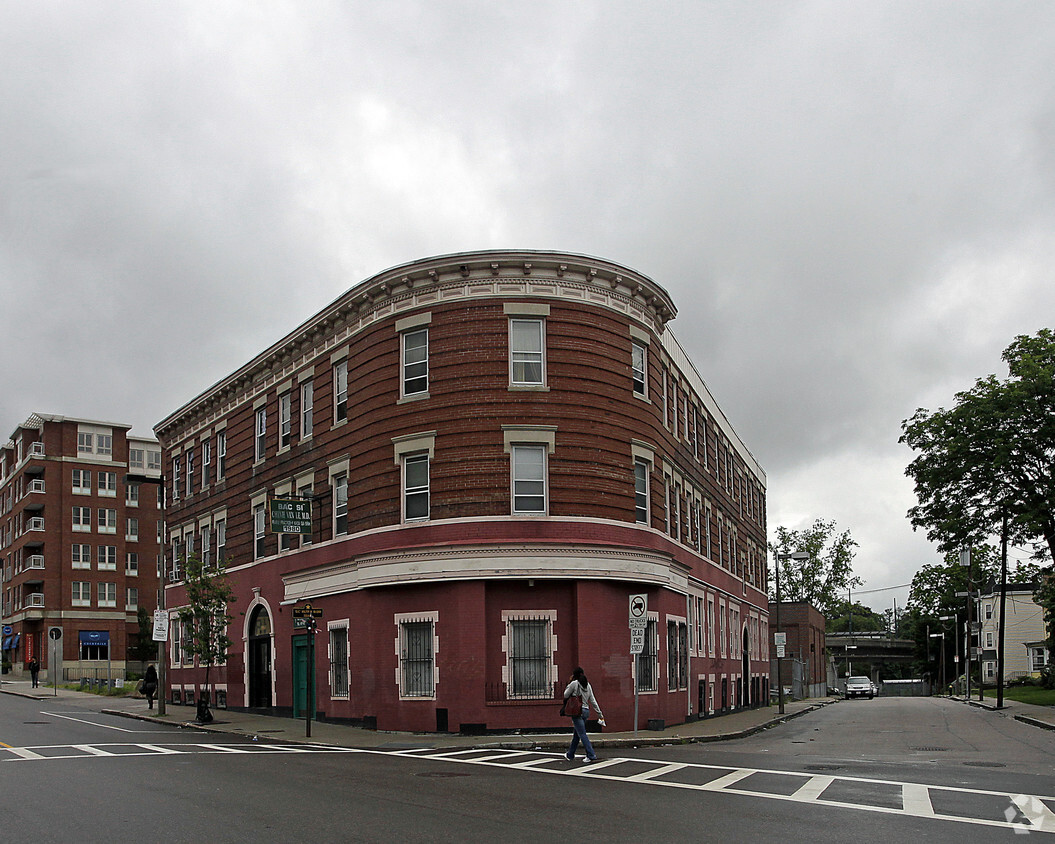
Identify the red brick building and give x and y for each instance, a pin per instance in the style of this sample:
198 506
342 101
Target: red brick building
805 664
499 449
79 543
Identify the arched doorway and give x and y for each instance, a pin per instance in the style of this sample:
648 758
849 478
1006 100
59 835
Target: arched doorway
259 658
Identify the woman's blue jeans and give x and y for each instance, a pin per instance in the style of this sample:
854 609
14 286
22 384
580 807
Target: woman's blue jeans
580 735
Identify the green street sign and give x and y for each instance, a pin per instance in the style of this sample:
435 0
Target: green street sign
290 515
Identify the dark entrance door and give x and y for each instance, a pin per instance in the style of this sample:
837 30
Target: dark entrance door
260 659
301 672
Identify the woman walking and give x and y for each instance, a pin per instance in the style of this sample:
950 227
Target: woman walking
578 698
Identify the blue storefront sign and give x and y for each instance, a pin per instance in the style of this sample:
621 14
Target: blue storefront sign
94 637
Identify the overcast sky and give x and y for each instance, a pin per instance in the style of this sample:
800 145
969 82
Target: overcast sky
851 204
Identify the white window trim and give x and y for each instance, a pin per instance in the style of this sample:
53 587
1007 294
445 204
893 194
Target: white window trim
508 617
410 618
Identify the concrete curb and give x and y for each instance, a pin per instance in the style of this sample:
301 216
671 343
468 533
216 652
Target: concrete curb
1034 722
511 743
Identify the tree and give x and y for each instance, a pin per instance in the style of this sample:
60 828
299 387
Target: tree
992 454
144 649
206 618
827 573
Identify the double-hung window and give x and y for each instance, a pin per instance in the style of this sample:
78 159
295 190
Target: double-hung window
340 391
417 677
259 535
641 502
285 420
639 370
132 495
82 482
82 556
107 594
340 505
190 472
529 479
108 484
82 593
221 455
82 519
307 401
107 520
177 477
415 487
527 361
221 541
206 463
415 355
261 433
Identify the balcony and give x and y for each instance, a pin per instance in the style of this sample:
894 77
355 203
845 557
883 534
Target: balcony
35 561
35 495
34 600
35 450
36 523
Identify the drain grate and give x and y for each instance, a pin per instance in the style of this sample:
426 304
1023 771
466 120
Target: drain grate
986 764
931 749
441 774
824 767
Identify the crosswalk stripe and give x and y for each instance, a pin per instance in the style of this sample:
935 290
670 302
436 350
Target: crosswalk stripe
645 776
916 800
813 789
90 749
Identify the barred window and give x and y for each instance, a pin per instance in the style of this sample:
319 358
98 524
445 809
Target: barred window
416 665
648 660
339 662
530 658
677 655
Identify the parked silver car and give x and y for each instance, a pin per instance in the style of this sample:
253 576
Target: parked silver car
860 687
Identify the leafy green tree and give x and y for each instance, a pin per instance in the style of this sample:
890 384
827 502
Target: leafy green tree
992 454
856 618
144 649
825 575
206 618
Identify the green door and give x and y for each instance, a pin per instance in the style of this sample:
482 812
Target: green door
301 673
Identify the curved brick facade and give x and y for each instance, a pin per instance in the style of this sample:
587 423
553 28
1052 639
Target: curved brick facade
503 447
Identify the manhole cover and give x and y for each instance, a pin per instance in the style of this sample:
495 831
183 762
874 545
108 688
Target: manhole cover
931 749
441 774
824 767
986 764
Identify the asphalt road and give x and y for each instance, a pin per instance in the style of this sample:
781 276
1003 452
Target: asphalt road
883 770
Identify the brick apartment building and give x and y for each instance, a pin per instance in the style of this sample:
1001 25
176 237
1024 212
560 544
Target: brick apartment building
79 545
805 663
499 448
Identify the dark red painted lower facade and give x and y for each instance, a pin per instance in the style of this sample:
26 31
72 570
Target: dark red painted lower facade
431 615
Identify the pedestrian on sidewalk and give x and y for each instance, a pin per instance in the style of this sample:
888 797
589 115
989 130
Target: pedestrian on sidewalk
34 671
150 685
578 699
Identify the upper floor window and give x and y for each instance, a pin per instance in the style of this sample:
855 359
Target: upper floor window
206 462
108 484
221 455
190 472
259 535
415 487
415 355
132 495
104 444
107 520
85 443
285 420
177 477
154 459
641 503
261 432
340 391
307 400
82 481
529 478
340 505
526 358
221 541
82 519
137 458
639 370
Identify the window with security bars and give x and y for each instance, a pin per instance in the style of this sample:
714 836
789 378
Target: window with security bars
648 660
530 658
677 655
339 662
416 664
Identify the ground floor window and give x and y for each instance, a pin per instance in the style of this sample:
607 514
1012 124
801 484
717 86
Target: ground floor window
1038 658
417 667
677 655
95 645
529 656
339 662
648 659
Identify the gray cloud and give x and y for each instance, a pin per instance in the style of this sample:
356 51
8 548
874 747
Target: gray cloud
851 205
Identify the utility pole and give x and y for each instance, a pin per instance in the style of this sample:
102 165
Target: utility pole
1003 604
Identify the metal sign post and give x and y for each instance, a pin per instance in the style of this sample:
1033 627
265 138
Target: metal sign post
638 631
55 659
309 614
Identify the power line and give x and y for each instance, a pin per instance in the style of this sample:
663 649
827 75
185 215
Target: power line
884 589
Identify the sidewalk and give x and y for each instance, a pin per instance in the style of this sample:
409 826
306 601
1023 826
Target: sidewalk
271 728
1027 713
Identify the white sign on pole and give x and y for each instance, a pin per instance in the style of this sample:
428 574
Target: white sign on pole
780 651
638 608
780 639
637 640
161 626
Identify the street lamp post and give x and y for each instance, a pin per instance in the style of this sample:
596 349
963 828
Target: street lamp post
941 655
956 651
796 555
